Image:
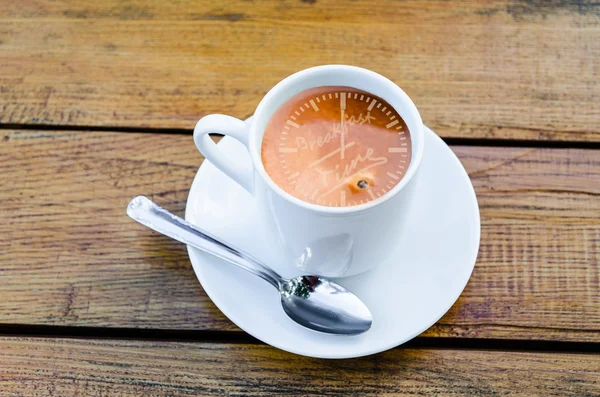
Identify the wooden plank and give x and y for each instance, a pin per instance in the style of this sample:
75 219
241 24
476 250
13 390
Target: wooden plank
503 69
540 246
70 367
71 257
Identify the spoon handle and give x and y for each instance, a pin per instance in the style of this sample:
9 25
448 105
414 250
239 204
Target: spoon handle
146 212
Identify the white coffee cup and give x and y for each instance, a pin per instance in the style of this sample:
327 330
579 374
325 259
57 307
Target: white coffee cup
327 241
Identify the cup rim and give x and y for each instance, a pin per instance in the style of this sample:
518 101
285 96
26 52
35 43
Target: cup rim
417 135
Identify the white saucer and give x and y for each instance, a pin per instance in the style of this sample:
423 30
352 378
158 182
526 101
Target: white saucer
419 283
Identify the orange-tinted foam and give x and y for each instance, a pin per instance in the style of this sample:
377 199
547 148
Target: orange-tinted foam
336 146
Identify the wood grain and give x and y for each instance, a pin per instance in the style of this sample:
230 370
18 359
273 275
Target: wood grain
71 257
503 69
79 259
67 367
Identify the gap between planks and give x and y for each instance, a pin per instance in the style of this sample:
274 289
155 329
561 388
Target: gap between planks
44 331
185 131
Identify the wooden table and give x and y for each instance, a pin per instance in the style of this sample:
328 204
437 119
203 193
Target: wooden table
97 103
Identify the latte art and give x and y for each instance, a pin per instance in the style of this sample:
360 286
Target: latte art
336 146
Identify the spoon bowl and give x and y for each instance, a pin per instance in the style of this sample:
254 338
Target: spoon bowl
325 306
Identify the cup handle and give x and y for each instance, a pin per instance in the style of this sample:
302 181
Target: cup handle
235 128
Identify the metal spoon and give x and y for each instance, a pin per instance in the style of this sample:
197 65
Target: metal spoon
311 301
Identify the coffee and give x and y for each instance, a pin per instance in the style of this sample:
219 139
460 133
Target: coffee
336 146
